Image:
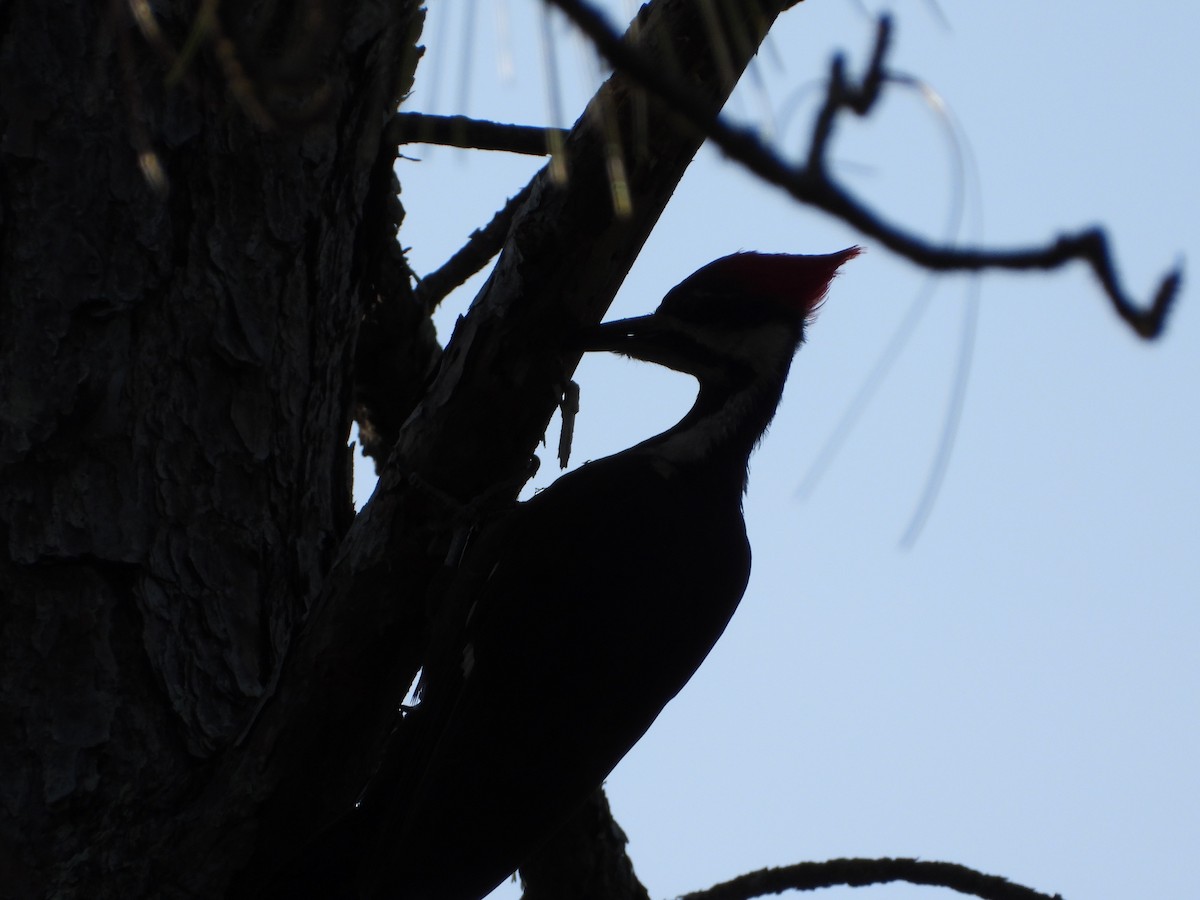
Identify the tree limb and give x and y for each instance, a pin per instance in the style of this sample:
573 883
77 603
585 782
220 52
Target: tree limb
862 872
811 184
472 134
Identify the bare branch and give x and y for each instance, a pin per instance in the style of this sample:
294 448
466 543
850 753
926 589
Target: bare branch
844 95
482 244
862 872
472 134
810 183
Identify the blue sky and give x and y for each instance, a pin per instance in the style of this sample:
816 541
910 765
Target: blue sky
1020 690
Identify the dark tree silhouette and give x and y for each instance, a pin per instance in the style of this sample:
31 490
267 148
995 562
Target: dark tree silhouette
203 645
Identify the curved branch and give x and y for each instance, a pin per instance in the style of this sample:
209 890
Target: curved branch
862 872
811 184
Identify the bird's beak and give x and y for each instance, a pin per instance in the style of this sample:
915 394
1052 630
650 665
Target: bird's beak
622 336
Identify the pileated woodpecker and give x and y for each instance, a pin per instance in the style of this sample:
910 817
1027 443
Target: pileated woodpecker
593 603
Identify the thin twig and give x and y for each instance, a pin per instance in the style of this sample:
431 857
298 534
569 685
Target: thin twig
482 244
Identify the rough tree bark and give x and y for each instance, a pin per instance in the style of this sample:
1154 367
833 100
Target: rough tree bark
201 645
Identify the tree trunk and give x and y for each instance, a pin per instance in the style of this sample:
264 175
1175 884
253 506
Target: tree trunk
176 366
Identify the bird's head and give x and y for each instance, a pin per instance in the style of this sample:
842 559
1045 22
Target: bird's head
743 312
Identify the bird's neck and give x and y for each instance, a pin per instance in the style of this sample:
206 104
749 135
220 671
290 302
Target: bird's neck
723 426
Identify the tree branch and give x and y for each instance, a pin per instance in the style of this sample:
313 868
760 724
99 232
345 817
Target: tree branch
472 134
811 184
482 244
862 872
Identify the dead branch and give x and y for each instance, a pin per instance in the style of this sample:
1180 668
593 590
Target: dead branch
472 134
482 244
